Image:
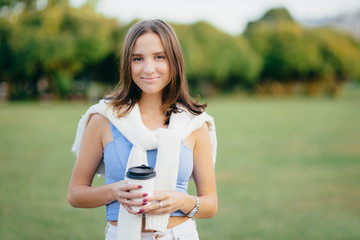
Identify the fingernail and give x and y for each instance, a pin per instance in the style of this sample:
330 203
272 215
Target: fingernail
140 186
144 203
141 211
145 194
145 199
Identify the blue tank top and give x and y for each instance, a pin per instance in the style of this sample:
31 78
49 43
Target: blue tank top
115 159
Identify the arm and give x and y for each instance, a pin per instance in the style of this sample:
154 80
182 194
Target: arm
204 177
80 193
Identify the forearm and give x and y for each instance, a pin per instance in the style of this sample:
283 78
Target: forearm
207 206
82 196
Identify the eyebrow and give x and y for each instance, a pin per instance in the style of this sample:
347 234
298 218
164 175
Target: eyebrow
156 53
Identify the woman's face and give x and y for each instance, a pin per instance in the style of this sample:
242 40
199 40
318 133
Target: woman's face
150 68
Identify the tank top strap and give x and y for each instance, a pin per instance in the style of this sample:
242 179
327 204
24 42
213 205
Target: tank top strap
115 132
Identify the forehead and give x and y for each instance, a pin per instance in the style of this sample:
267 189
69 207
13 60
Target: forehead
148 42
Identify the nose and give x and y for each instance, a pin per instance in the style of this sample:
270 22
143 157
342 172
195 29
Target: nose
149 67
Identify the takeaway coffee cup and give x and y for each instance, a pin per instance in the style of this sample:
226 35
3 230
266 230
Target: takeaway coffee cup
142 175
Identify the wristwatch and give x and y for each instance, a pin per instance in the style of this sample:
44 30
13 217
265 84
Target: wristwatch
195 209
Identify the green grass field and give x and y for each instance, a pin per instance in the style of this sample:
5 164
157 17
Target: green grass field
286 169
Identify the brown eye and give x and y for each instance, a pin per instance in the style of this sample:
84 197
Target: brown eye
160 57
137 59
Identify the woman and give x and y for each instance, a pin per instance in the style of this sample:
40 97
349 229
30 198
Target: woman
151 104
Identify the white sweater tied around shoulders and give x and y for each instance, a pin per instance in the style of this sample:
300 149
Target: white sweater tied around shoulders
167 141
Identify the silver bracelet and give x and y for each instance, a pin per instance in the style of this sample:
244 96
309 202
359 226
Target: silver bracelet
195 209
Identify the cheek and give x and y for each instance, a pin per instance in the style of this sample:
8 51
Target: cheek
135 69
164 68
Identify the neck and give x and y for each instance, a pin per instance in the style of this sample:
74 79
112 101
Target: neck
150 104
150 109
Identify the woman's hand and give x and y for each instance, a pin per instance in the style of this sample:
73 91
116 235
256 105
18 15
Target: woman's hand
171 201
123 192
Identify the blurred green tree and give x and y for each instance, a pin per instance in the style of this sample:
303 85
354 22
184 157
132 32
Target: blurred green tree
216 60
51 47
6 53
57 43
339 51
320 60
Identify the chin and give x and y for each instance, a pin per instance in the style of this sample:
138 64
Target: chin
151 91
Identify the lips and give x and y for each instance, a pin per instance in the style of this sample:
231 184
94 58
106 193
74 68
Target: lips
149 79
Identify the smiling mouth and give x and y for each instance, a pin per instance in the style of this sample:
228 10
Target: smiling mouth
149 79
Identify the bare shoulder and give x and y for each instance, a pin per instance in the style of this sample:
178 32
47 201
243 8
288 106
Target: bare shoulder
197 136
97 123
201 135
97 119
202 131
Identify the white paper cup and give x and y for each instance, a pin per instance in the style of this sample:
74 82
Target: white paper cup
141 175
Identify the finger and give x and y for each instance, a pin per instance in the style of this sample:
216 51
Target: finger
131 195
132 203
129 187
123 201
156 207
125 204
157 197
136 203
129 209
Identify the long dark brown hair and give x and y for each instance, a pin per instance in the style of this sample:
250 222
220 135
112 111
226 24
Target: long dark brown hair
127 93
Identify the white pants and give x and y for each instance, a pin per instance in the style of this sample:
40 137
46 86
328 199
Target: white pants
184 231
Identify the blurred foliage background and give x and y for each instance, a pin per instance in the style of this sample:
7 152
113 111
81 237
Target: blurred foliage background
287 168
55 51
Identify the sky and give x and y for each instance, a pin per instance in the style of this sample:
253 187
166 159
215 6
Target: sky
228 15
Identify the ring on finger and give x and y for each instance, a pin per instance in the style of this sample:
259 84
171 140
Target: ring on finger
126 201
160 204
